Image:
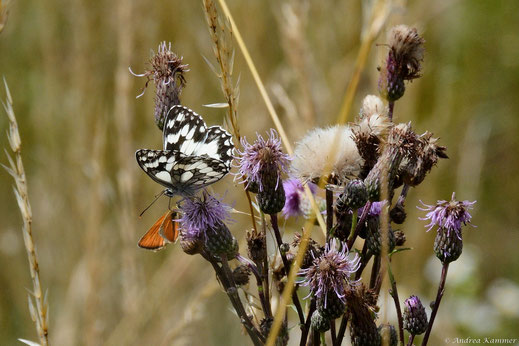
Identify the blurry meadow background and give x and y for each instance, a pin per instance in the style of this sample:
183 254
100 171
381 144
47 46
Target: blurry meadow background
66 64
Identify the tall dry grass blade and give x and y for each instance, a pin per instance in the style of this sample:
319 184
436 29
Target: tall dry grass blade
123 115
221 34
37 303
268 103
379 13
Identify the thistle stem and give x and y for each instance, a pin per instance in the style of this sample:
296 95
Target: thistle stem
394 294
439 295
295 299
391 109
254 269
353 236
333 332
411 339
329 211
374 272
225 276
342 328
304 334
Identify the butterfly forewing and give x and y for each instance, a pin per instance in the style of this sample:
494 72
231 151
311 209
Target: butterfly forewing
184 130
164 230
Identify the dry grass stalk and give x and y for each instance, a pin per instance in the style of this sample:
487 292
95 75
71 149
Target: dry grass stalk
222 35
126 174
38 305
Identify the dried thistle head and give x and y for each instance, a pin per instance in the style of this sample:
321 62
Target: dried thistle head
415 167
370 131
403 63
167 73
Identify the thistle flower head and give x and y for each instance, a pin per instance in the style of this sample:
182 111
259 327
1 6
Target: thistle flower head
202 214
262 158
331 149
407 48
331 272
403 63
167 72
449 215
415 317
295 196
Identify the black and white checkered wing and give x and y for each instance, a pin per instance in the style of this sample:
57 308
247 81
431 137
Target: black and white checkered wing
191 173
158 164
185 131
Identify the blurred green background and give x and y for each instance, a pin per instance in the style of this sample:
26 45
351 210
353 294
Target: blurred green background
66 63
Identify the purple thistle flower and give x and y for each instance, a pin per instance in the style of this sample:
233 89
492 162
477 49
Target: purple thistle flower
449 215
331 271
374 210
294 192
261 157
202 214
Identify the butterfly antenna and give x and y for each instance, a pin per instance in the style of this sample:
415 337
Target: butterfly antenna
155 200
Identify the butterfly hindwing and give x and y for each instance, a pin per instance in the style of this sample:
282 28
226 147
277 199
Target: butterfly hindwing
197 171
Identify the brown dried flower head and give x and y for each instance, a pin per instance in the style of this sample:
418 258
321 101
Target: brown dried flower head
167 72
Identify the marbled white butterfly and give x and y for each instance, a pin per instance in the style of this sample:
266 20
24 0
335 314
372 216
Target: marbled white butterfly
194 155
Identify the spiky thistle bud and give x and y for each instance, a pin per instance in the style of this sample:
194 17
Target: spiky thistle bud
415 317
449 217
203 219
167 72
388 335
241 275
262 163
363 329
374 241
398 214
257 246
319 322
355 195
399 238
403 63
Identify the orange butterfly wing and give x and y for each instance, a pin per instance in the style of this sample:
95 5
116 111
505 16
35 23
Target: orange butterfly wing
163 231
170 230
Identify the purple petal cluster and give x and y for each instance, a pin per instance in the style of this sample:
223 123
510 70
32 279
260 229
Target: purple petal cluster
450 215
200 214
374 210
331 271
262 157
294 192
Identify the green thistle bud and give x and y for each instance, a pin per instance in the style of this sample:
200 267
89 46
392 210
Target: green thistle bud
355 195
220 242
319 322
271 199
330 306
415 317
448 245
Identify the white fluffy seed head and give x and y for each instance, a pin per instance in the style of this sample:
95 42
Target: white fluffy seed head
372 105
322 147
374 120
